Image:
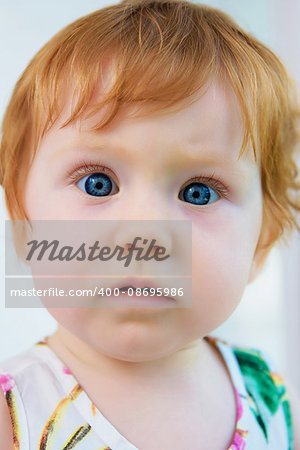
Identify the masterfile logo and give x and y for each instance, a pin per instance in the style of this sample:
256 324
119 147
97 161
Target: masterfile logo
53 251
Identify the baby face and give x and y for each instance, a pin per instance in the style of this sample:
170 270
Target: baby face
150 166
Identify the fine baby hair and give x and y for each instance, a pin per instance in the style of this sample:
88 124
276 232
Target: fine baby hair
155 77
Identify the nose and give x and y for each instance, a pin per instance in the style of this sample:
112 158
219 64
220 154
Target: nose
145 200
142 218
161 238
159 233
150 243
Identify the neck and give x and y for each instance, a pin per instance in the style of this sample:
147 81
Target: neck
179 364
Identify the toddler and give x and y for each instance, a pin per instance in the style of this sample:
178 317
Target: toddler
153 110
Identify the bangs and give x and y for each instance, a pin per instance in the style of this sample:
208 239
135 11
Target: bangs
154 57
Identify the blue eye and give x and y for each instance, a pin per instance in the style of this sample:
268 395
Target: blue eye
199 194
96 184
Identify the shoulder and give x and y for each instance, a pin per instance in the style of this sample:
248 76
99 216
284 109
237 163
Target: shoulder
272 401
294 400
16 375
6 434
18 364
259 373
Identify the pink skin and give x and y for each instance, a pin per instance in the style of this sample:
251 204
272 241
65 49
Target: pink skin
145 161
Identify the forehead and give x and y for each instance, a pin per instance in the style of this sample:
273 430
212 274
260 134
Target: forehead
207 127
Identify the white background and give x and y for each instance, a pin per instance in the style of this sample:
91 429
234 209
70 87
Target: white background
268 316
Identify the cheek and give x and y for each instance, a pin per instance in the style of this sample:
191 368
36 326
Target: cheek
222 258
41 202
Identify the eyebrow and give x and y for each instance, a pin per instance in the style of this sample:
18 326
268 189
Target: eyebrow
183 153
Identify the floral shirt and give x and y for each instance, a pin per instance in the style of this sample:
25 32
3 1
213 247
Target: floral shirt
50 410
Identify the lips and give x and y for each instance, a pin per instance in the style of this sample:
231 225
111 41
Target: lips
140 283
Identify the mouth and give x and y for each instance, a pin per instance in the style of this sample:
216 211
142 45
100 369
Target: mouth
142 285
131 288
142 293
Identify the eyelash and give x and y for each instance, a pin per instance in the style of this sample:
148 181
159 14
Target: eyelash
84 168
213 182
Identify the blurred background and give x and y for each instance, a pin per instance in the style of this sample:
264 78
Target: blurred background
269 314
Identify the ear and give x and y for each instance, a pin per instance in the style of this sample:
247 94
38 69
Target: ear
263 248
